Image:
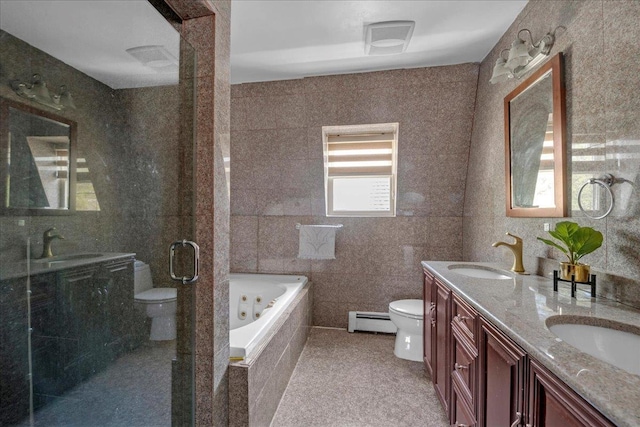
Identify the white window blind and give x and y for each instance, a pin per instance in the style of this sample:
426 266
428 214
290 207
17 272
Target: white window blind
360 171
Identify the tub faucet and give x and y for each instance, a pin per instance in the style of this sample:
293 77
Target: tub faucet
516 248
47 238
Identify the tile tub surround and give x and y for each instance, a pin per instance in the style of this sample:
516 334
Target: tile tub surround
257 383
519 308
602 77
277 181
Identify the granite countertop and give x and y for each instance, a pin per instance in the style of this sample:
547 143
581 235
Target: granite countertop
61 262
520 306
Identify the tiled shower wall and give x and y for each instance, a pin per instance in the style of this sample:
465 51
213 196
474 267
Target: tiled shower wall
125 157
602 74
277 181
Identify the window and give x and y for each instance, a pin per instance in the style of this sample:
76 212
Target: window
360 167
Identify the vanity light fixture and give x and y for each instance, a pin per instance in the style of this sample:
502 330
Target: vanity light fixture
37 91
523 56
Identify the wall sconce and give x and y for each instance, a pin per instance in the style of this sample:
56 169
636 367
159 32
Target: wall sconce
523 56
37 91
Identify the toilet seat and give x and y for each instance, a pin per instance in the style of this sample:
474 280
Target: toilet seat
411 308
157 295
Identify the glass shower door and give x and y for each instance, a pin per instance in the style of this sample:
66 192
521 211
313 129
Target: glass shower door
98 334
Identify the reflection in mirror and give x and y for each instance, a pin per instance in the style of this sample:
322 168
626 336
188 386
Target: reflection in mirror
86 198
534 147
50 154
38 172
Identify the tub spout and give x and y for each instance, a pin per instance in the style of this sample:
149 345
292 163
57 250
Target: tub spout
516 248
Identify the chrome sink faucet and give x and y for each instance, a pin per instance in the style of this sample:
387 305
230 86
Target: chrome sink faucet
516 248
47 238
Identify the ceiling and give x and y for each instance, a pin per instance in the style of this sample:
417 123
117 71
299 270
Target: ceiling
276 40
93 35
270 40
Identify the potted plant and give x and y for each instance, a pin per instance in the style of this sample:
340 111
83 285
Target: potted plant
575 242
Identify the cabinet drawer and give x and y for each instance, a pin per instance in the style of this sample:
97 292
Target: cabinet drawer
465 367
465 318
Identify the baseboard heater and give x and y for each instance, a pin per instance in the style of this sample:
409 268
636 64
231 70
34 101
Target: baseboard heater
370 321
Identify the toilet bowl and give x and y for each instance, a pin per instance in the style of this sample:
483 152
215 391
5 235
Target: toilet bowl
407 315
159 303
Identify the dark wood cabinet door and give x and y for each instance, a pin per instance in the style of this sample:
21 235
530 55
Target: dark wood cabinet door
501 384
117 287
14 353
429 324
442 362
462 414
553 404
83 319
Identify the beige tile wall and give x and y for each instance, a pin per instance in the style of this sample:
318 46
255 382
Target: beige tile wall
602 73
206 25
277 181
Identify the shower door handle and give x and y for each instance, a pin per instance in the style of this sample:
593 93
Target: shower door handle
196 259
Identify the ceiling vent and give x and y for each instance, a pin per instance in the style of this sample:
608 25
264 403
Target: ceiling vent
153 56
388 38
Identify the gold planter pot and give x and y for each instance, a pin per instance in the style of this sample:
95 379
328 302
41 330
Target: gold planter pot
579 271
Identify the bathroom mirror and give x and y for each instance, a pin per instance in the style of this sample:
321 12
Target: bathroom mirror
535 158
37 149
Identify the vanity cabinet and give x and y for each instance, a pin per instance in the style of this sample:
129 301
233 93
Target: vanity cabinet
81 320
14 342
437 336
121 315
441 344
553 404
484 379
97 311
429 321
501 384
464 375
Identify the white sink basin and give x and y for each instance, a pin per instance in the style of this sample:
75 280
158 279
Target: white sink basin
614 346
480 271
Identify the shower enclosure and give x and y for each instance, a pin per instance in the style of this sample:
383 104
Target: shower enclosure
97 143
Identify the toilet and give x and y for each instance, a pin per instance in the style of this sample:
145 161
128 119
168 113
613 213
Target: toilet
407 315
159 303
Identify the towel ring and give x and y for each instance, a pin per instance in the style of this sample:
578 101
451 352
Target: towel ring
606 182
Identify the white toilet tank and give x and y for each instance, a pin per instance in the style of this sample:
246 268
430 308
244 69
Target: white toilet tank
142 277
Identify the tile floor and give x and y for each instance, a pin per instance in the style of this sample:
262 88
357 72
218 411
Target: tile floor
135 391
347 379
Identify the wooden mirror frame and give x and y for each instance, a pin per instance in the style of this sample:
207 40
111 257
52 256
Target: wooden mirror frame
5 104
555 65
